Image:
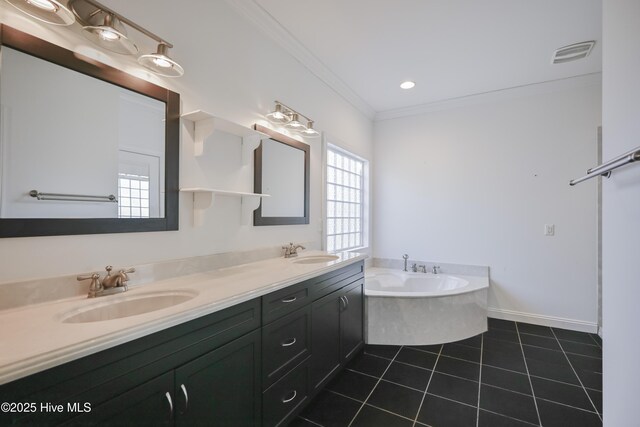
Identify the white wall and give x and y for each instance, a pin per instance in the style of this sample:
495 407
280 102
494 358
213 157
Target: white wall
233 71
621 213
476 185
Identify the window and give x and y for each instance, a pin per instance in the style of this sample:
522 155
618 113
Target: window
133 192
345 200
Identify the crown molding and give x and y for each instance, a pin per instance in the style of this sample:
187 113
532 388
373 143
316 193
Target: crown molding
584 80
272 28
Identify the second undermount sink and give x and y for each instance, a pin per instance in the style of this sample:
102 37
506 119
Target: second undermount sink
127 306
315 259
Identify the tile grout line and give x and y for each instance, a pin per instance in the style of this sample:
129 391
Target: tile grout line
595 341
424 396
375 386
576 374
480 380
309 421
526 367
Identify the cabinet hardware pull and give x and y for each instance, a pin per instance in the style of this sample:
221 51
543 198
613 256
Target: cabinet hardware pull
287 300
293 396
344 304
346 300
168 396
289 343
186 396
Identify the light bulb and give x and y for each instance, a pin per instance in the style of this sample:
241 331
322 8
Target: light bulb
44 5
407 85
108 35
161 62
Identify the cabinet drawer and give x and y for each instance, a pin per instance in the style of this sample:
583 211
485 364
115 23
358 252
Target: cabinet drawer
284 301
285 343
282 400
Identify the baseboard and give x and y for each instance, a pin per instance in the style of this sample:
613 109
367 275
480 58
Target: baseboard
539 319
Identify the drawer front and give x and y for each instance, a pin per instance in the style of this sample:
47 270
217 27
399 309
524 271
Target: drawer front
289 299
284 301
283 400
285 343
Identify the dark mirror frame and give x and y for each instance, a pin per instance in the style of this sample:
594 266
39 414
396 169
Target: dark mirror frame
28 227
258 219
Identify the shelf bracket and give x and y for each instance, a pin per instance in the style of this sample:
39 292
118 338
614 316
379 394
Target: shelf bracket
249 144
249 204
201 202
202 130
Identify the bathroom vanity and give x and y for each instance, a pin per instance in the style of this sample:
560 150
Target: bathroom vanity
254 359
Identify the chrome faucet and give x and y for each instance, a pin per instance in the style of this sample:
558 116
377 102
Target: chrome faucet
435 269
292 250
405 257
111 284
415 268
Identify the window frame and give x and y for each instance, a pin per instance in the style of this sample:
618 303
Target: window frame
364 196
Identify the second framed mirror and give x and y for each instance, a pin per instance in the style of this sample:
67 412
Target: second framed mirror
281 170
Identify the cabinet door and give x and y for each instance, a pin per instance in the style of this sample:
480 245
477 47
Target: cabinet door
221 388
351 324
325 338
150 404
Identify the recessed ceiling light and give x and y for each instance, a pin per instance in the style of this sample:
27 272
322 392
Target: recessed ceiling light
407 85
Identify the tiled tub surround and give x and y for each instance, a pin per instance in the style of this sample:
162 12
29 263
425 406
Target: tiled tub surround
515 374
405 308
34 338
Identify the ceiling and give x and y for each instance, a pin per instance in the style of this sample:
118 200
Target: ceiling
450 48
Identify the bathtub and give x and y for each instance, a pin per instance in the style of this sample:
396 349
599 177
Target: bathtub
405 308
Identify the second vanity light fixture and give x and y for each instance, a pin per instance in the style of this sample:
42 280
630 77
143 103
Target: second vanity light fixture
290 118
104 27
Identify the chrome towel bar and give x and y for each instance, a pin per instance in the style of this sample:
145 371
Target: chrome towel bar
72 197
606 168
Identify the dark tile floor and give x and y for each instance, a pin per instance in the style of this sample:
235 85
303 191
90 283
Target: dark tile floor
515 374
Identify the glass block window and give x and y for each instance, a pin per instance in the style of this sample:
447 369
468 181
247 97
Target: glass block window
133 196
345 200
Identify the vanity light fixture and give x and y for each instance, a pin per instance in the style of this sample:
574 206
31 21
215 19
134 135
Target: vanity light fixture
49 11
309 131
160 63
408 84
111 35
290 118
295 123
277 116
108 29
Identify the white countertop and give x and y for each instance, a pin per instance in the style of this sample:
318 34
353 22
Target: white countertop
34 338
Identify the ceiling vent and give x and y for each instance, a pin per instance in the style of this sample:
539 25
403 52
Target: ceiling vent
572 52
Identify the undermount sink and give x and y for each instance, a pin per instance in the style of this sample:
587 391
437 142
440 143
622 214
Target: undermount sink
315 259
127 306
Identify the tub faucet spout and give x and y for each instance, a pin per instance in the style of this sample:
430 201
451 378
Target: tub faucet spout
405 257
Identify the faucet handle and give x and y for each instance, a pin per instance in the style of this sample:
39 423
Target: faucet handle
405 257
92 276
108 268
95 285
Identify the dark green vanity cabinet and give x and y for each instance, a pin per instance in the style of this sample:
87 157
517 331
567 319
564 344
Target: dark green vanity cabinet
252 364
310 331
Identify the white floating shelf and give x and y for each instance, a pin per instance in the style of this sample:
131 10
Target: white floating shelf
203 199
205 124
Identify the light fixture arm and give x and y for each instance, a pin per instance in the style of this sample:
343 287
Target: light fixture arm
289 111
108 11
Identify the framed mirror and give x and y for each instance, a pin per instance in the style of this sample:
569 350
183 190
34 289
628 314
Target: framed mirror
84 148
282 171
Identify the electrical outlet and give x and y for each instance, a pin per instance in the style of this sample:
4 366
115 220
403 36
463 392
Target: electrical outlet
549 229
